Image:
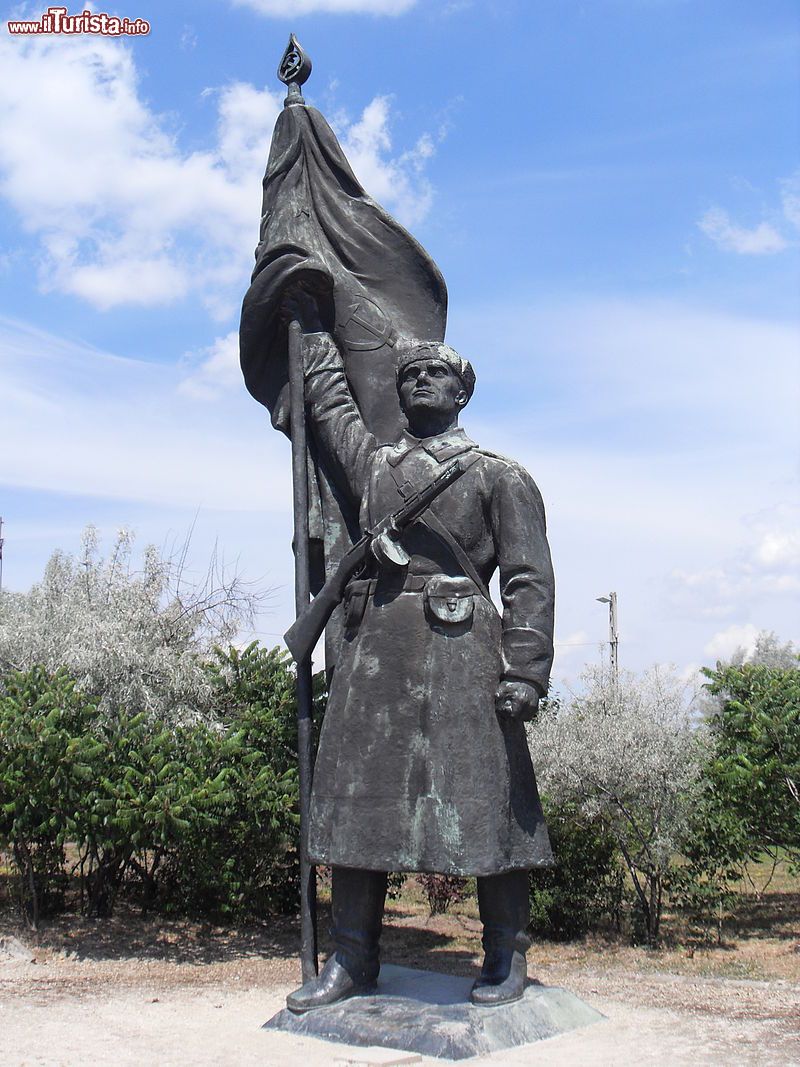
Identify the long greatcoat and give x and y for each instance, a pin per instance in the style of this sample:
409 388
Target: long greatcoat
415 770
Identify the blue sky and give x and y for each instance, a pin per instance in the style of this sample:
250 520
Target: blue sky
612 191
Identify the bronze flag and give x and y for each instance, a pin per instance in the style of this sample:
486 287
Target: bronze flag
375 285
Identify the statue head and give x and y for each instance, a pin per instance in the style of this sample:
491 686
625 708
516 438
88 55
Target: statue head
434 383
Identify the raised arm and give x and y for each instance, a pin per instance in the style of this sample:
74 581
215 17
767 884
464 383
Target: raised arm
345 442
346 446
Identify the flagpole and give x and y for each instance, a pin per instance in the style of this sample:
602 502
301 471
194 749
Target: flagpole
302 593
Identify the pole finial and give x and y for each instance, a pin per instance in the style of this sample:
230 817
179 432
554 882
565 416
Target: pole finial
293 70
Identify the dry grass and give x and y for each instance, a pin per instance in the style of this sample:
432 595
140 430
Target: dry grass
761 940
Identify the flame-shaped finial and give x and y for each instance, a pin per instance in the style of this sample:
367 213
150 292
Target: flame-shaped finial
294 69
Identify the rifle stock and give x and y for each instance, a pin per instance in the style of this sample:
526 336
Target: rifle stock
303 634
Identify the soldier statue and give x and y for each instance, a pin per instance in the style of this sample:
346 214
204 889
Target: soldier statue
423 763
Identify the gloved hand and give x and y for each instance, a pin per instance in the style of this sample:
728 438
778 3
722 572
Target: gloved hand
517 700
300 304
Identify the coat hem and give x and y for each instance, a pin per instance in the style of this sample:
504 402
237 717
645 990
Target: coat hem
460 872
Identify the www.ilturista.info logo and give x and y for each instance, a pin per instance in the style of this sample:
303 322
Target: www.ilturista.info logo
56 20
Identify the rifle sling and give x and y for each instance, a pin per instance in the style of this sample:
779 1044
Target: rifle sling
436 526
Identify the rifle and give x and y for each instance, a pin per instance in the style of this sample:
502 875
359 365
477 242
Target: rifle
382 543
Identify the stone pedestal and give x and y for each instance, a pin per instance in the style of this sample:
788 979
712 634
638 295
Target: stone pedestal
429 1013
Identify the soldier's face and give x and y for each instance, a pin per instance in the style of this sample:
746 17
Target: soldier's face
431 386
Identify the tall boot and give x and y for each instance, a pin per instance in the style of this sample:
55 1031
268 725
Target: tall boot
357 900
505 913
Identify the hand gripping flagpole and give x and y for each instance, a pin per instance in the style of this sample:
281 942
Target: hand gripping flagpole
293 71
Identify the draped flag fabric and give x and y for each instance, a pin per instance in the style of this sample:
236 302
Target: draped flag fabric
375 285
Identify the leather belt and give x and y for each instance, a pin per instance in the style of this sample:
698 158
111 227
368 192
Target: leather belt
412 583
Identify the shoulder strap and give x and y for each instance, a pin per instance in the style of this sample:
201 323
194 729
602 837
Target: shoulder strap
436 526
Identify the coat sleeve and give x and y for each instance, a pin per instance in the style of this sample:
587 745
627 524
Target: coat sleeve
348 446
527 586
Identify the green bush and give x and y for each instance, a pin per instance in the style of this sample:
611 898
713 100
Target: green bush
584 888
756 768
200 818
247 862
157 789
47 757
713 854
749 804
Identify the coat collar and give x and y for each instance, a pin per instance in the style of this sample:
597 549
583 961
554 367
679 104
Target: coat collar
442 447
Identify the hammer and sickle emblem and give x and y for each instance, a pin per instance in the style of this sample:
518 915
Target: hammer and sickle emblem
366 327
290 64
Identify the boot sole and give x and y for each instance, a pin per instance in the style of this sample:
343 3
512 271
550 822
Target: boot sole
497 1003
362 991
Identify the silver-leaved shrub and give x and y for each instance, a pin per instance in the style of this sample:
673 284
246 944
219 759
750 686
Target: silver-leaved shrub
628 751
134 636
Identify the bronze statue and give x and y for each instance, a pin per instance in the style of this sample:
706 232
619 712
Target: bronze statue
423 763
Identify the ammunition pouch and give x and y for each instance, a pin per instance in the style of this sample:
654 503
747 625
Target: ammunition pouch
449 600
355 604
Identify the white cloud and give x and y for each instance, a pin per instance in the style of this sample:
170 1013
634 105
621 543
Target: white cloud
723 644
123 273
630 430
766 568
571 651
216 370
293 8
188 40
91 437
647 373
653 429
761 240
779 548
710 593
88 423
123 214
690 675
390 181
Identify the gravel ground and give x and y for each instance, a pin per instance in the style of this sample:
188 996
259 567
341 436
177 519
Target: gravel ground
127 991
81 1013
